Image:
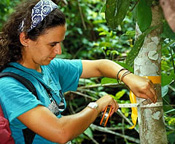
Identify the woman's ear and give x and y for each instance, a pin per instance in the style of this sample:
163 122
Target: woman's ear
23 39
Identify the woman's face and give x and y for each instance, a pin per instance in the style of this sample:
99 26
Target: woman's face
45 48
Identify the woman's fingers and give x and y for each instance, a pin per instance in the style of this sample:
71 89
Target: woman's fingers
151 96
114 108
105 101
147 90
151 93
153 90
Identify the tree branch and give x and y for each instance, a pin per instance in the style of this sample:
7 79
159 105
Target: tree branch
93 140
102 85
104 129
123 116
81 14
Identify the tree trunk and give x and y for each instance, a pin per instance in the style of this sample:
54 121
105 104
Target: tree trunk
148 63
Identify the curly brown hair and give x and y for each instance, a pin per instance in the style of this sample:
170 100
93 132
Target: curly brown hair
10 46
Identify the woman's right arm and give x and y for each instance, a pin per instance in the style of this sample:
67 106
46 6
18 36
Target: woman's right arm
60 130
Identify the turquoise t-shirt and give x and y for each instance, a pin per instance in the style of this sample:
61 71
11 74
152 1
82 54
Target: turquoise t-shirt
15 99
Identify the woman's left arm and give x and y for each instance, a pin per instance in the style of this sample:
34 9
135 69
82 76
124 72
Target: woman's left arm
141 87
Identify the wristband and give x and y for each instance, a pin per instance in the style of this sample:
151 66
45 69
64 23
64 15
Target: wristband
119 73
123 75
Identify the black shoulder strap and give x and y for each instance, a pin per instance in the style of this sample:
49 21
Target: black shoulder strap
28 134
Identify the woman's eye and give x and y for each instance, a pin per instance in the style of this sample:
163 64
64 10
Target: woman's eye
52 45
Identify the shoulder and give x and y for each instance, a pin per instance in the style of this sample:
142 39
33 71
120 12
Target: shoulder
8 81
64 64
60 62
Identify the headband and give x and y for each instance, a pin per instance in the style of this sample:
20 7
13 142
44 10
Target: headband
39 12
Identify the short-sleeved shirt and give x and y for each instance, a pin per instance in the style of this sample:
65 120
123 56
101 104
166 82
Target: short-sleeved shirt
15 99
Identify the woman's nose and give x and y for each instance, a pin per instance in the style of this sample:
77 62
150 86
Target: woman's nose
57 49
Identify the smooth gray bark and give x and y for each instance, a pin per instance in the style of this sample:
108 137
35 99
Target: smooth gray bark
148 63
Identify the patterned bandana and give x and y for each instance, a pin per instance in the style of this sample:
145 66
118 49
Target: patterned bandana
39 12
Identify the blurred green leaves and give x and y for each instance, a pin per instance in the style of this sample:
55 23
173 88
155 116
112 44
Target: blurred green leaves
6 8
90 36
167 31
138 44
143 15
116 11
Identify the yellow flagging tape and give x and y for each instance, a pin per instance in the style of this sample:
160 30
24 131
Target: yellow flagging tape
134 110
154 79
134 114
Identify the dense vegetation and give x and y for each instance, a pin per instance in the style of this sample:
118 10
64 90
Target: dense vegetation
89 37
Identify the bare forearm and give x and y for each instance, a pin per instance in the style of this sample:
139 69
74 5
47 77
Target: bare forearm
77 123
60 130
101 67
109 68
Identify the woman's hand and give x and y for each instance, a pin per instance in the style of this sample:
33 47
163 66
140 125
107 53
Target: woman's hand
141 87
106 100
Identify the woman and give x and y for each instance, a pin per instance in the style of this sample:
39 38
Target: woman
30 41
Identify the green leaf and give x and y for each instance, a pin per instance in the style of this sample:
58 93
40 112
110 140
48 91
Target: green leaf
164 90
105 44
165 79
167 32
103 8
144 15
171 137
137 46
108 80
116 11
170 111
130 33
171 121
88 132
120 94
125 111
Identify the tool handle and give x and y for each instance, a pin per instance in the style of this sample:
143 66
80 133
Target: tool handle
106 115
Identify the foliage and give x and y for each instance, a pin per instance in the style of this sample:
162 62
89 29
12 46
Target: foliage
89 37
144 15
168 85
143 18
95 36
116 11
6 7
138 44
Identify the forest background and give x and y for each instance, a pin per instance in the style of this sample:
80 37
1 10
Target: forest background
90 37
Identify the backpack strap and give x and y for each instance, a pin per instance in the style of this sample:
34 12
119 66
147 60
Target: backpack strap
28 134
